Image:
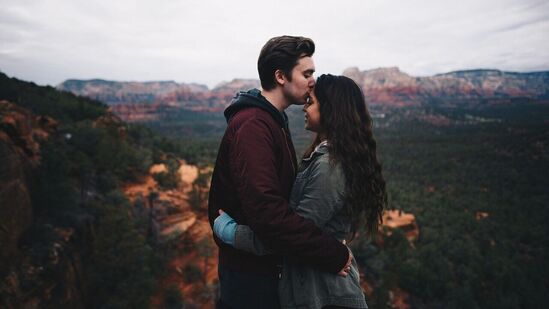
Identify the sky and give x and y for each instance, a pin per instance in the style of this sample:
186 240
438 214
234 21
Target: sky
212 41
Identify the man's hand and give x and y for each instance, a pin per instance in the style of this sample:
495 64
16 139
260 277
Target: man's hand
345 271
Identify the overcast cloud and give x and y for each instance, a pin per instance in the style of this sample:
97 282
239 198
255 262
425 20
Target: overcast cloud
210 41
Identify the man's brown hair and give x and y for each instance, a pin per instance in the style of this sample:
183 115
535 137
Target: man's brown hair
282 53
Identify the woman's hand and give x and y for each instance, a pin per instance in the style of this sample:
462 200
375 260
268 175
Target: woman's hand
225 228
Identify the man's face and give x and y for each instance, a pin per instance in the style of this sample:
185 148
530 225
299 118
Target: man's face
297 91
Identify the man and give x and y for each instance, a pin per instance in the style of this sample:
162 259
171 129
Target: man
253 179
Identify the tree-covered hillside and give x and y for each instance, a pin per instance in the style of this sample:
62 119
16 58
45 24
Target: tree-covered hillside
83 236
478 188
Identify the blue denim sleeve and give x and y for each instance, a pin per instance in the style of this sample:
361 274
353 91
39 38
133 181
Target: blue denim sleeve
225 228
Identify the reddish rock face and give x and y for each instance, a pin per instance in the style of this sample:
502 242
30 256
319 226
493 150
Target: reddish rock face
20 131
398 219
390 86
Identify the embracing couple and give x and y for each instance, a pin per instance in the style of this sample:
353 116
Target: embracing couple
282 227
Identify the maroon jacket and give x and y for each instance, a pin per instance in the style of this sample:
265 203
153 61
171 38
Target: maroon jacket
252 181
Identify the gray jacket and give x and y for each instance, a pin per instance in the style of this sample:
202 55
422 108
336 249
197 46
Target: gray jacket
317 195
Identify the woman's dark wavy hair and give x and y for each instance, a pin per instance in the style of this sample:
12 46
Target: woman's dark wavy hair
347 125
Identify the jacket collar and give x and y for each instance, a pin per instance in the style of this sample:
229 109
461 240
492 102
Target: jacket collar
320 149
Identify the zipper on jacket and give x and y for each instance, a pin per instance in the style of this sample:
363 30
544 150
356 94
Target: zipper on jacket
289 151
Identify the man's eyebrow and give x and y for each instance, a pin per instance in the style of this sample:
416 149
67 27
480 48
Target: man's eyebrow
309 71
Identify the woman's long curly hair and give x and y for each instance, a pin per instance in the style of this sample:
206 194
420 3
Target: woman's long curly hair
347 125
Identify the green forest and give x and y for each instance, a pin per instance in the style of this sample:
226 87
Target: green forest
490 158
445 175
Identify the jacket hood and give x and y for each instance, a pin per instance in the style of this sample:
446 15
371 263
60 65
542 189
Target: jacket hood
253 98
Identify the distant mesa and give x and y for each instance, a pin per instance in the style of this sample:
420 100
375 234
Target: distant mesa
114 92
390 86
149 101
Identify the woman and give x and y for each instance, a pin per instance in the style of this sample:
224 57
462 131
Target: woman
339 186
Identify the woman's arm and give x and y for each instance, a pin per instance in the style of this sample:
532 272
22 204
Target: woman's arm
239 236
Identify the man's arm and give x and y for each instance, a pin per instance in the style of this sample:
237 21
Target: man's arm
243 238
266 210
322 199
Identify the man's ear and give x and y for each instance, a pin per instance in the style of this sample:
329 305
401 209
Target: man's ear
280 77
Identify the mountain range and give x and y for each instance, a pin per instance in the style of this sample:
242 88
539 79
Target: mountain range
386 87
391 86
